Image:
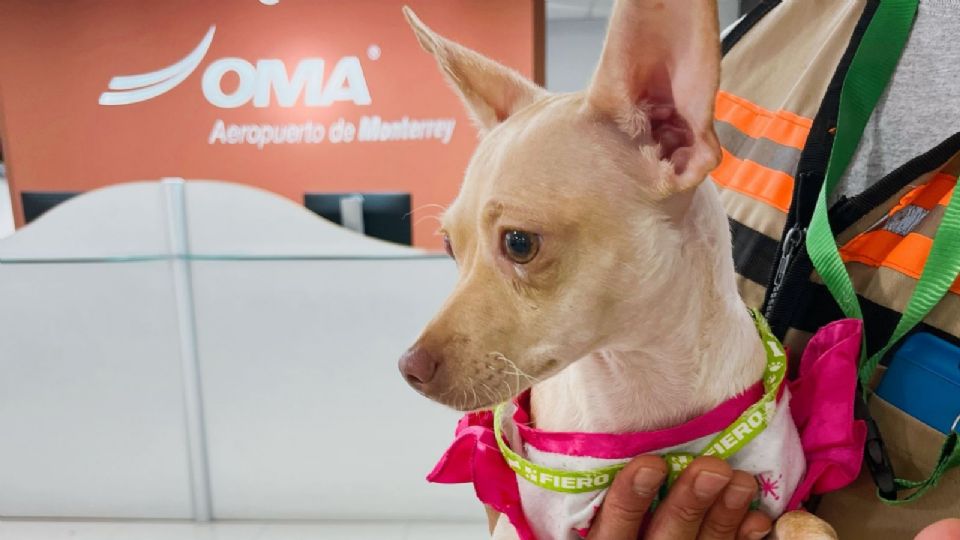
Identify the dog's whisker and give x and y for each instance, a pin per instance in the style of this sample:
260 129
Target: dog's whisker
490 393
445 393
510 393
421 218
516 369
630 267
476 398
428 205
520 372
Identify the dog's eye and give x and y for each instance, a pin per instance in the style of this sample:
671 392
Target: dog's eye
520 247
448 247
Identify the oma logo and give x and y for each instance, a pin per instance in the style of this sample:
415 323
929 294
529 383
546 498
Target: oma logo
257 81
345 83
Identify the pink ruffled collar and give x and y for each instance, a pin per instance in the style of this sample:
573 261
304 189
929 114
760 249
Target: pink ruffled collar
628 445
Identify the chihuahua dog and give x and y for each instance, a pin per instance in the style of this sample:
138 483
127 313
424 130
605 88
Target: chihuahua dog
594 260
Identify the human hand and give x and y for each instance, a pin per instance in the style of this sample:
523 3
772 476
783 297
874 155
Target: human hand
709 501
947 529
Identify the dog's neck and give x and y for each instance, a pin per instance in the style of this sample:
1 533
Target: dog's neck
693 346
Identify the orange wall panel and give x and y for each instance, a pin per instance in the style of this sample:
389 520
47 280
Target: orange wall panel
58 58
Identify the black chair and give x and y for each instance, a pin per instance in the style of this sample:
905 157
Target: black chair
37 203
385 215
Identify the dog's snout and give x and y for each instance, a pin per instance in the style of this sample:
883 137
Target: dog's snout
418 365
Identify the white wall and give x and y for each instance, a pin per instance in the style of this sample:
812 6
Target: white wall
573 48
285 327
574 42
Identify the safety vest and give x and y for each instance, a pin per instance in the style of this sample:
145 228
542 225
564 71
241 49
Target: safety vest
776 114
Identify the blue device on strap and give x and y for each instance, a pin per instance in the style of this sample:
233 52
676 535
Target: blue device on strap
923 380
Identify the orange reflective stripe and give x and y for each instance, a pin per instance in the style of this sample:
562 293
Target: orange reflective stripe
782 127
871 248
936 191
945 200
767 185
744 176
905 254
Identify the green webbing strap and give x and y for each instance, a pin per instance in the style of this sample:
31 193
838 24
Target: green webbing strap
870 70
724 444
873 64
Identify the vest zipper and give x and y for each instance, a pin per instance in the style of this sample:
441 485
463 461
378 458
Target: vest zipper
791 245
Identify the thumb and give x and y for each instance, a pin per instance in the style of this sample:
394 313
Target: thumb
628 499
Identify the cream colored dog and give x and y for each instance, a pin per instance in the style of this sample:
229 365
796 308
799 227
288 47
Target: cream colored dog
595 262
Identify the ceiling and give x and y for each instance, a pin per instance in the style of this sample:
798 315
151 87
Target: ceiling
578 9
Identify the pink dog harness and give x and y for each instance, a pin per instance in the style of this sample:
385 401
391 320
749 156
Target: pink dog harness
550 484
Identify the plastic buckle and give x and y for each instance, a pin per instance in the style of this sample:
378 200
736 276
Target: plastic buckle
875 452
878 462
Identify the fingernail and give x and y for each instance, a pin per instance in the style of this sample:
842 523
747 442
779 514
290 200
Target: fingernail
647 481
708 484
737 497
758 535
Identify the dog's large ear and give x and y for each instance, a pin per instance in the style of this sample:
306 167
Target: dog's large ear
658 79
491 91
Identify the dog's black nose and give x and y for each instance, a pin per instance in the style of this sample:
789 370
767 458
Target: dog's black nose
418 366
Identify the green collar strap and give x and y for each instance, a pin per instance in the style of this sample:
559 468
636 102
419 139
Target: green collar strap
723 445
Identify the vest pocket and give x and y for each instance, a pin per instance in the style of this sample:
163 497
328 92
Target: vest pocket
856 512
